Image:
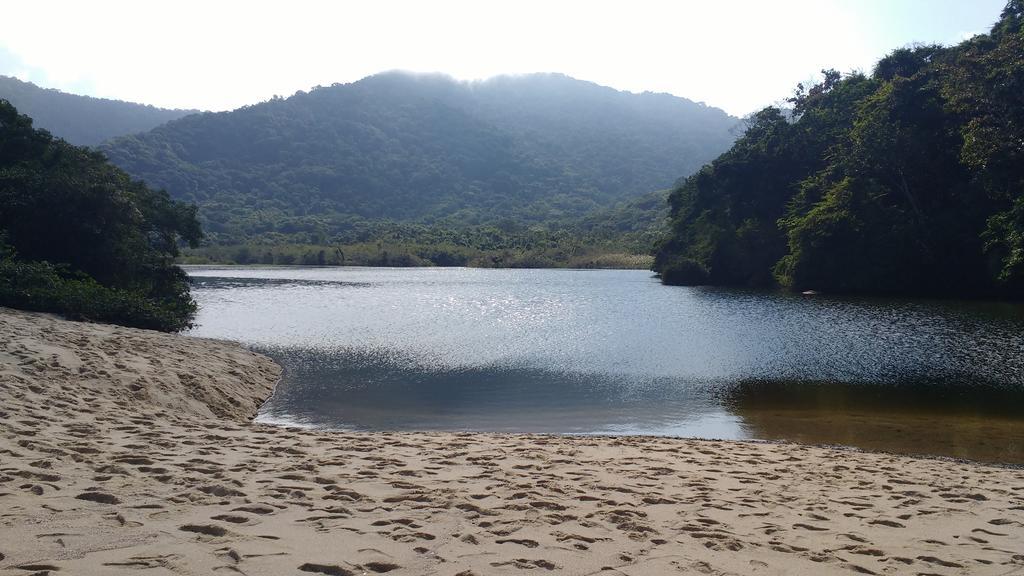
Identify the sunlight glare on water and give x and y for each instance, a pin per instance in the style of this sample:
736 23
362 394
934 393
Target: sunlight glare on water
569 351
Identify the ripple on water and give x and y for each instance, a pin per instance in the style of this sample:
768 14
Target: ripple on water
616 352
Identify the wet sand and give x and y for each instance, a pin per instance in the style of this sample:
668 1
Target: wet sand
128 451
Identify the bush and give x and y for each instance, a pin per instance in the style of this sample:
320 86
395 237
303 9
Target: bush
43 287
79 237
684 272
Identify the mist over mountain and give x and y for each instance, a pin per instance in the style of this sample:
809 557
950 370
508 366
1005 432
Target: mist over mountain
396 146
82 120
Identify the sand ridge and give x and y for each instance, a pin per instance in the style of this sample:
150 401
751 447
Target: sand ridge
131 452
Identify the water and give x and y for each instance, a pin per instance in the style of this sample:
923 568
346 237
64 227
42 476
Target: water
615 352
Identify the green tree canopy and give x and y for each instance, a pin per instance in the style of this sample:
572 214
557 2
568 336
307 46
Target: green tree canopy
910 180
66 215
423 149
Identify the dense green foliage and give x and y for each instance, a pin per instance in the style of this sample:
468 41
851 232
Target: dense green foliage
80 237
43 287
404 254
616 237
396 147
908 180
82 120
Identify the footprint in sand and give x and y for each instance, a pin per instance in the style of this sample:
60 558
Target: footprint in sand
205 529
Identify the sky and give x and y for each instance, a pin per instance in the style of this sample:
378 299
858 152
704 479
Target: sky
738 55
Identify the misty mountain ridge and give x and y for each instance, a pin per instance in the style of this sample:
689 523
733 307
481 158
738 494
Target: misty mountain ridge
82 120
538 148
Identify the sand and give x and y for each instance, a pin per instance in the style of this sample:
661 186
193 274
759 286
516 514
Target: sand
131 452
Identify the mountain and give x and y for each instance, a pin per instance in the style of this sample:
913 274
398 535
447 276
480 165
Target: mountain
910 180
428 149
82 120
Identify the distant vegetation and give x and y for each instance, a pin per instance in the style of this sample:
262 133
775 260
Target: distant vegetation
517 154
82 120
616 237
907 180
79 237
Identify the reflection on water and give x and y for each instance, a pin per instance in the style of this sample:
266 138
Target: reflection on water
352 390
616 352
979 422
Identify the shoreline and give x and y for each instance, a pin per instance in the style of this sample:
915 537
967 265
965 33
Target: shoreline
950 298
213 266
129 451
839 448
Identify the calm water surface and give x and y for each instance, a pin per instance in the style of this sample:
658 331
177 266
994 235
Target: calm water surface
615 352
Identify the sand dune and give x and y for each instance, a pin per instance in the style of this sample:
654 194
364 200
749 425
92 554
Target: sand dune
131 452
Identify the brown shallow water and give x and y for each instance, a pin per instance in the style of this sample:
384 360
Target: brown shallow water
984 424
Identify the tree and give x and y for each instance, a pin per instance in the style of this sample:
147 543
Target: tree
89 226
909 181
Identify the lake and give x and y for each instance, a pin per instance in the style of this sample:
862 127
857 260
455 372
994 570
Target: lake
616 352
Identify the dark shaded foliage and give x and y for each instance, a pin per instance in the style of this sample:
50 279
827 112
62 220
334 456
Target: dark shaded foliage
908 181
43 287
80 237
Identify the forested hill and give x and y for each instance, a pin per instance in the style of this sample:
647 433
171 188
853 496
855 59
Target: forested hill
908 180
425 149
82 120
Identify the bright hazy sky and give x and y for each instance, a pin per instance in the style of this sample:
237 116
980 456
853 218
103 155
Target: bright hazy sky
738 55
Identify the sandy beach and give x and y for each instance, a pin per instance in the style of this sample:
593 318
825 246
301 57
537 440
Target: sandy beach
126 451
